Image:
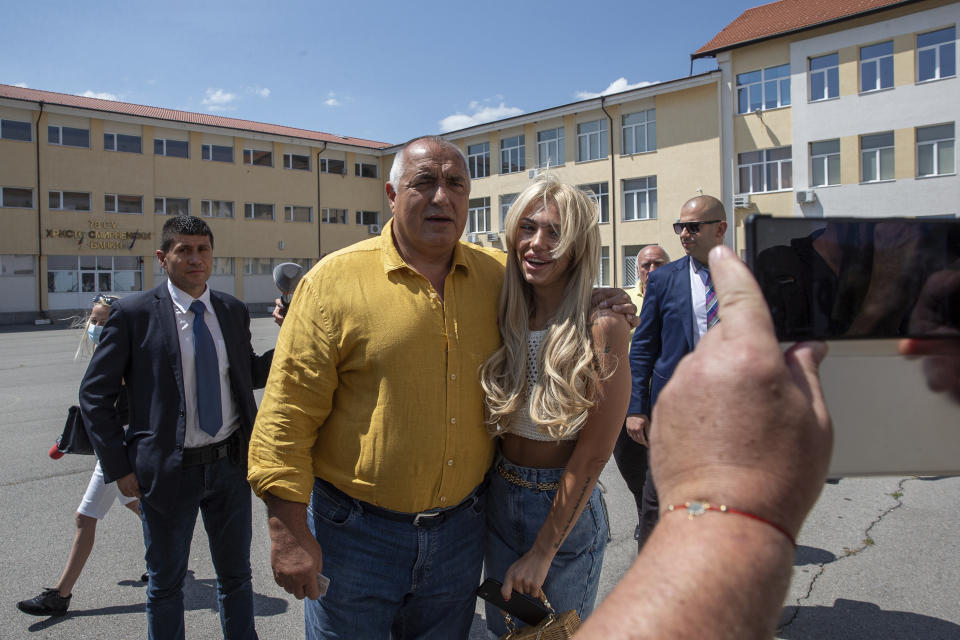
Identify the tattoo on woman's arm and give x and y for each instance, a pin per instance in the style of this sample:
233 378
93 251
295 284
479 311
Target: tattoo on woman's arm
573 514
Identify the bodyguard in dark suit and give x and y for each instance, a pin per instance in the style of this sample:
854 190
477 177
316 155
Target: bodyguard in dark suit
676 312
184 353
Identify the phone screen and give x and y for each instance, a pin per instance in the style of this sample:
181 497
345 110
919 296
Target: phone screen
856 278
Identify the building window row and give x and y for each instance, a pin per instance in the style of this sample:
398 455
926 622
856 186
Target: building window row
171 148
93 274
16 130
765 170
763 89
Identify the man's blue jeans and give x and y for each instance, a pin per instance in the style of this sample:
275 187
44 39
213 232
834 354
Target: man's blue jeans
219 490
389 577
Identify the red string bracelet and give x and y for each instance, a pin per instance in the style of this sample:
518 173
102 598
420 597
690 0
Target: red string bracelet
699 508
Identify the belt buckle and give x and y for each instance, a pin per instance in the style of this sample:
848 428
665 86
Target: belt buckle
426 516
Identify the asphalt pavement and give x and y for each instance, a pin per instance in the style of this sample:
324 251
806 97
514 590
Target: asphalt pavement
877 558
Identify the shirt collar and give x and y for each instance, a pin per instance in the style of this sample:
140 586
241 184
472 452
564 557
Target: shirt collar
393 261
182 300
697 265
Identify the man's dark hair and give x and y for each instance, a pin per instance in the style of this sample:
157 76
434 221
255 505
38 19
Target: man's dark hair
183 226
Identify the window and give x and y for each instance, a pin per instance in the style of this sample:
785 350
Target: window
876 66
639 132
603 275
294 213
513 154
171 206
766 170
113 203
216 208
365 169
591 140
69 200
936 150
766 89
257 211
602 196
824 163
478 159
333 216
222 266
257 266
258 158
172 148
330 165
640 198
937 54
68 136
121 142
630 253
92 274
506 201
13 197
876 157
16 130
368 217
296 161
478 215
824 77
550 148
216 153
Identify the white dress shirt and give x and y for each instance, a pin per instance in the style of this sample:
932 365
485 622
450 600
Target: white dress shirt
698 295
195 436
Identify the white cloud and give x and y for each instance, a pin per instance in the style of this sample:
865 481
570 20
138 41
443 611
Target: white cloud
479 116
263 92
332 100
218 100
618 85
22 85
101 95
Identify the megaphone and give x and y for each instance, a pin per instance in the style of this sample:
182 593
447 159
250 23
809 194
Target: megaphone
286 276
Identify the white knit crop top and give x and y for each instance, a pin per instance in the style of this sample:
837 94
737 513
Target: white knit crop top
521 425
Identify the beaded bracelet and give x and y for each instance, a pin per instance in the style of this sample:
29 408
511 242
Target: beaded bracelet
699 508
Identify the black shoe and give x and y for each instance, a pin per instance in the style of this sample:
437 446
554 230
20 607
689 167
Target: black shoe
48 603
145 577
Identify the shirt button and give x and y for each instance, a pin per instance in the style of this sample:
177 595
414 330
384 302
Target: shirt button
453 376
450 462
443 498
453 421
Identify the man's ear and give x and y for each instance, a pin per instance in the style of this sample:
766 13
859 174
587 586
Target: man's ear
391 195
160 258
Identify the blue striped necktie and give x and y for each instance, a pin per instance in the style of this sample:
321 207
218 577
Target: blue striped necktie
712 303
209 410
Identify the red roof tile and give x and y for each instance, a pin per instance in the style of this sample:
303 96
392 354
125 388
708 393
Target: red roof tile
110 106
786 16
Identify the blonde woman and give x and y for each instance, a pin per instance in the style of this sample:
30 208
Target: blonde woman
96 501
556 395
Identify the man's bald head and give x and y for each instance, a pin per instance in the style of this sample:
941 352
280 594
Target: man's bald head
650 258
712 219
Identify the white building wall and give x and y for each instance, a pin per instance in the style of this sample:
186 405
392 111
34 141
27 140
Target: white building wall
903 107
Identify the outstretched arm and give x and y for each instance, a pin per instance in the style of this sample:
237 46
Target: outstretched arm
735 413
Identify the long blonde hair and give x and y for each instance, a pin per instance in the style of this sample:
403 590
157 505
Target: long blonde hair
566 387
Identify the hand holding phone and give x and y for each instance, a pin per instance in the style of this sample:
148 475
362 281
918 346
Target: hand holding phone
521 606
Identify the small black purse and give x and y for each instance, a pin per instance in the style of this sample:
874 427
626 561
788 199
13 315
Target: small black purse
74 438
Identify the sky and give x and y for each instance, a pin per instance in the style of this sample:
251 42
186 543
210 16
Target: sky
375 70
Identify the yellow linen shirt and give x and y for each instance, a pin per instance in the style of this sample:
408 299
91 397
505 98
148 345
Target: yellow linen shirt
374 385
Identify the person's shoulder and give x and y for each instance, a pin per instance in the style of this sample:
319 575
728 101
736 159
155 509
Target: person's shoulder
226 298
488 257
141 298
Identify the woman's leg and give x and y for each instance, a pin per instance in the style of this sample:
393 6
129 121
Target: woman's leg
79 552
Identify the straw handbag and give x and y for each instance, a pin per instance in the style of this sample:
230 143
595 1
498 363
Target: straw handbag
555 626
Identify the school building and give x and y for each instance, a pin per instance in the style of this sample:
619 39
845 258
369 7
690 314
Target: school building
816 108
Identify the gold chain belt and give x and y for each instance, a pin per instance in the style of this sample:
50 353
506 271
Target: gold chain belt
513 477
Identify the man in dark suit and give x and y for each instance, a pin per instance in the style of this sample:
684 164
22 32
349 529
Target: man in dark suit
678 307
184 354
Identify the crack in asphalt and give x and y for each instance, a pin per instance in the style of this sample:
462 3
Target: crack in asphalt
866 543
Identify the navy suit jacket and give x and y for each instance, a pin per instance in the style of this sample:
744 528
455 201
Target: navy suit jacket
139 347
665 334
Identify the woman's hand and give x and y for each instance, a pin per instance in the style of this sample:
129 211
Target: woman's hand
527 574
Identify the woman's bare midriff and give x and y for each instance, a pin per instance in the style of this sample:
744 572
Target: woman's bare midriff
535 453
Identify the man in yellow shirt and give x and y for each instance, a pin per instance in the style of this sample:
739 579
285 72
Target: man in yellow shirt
632 454
373 415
